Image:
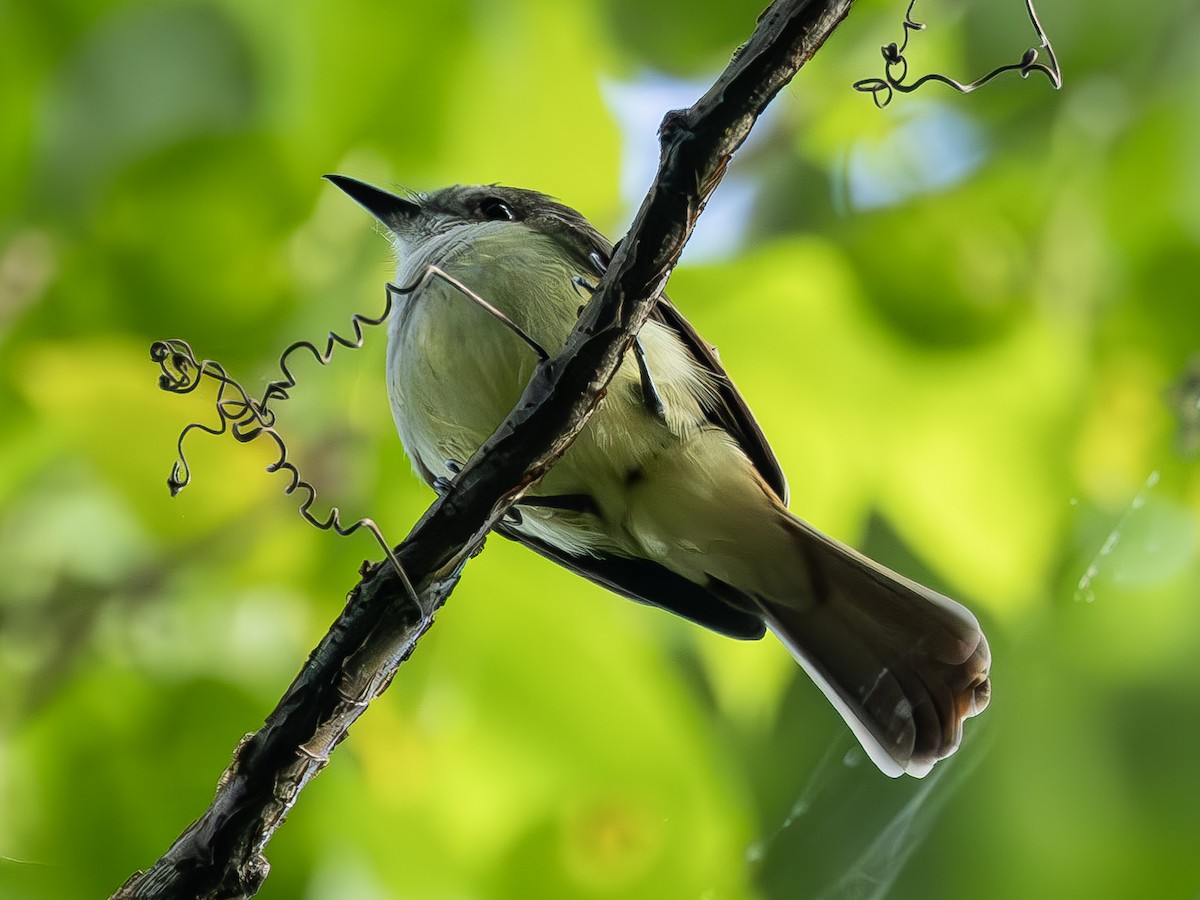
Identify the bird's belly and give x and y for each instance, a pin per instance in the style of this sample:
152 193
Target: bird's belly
454 373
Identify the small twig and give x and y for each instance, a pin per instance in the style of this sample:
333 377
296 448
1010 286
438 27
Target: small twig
434 272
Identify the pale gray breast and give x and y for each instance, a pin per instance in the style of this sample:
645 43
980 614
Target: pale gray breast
454 370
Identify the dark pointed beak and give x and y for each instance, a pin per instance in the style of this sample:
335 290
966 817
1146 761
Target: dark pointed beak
383 205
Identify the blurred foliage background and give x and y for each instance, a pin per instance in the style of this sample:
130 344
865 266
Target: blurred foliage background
964 323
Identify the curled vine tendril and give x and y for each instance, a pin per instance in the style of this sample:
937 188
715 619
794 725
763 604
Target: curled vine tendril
247 419
896 65
279 389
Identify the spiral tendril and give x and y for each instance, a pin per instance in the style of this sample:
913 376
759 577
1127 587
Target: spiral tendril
279 389
896 65
248 419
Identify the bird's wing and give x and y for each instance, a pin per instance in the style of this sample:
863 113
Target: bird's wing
650 583
727 410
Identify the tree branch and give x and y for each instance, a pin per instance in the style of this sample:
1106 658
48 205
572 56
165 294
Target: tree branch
221 854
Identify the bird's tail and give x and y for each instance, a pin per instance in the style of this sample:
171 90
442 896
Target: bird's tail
904 665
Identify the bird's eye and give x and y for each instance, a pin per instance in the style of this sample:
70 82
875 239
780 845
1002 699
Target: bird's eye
496 209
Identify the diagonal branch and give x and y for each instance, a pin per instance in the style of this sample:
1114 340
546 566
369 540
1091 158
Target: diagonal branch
221 854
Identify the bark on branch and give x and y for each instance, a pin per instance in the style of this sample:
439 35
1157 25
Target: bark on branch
221 854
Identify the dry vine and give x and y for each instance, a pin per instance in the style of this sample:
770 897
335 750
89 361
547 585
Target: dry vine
896 65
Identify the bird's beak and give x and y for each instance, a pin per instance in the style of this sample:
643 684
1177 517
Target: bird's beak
389 209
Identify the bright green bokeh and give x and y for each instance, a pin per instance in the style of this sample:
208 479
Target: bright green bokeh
970 376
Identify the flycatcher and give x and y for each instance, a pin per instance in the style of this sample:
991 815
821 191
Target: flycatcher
670 495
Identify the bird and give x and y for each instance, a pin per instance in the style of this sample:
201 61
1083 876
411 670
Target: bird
670 495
